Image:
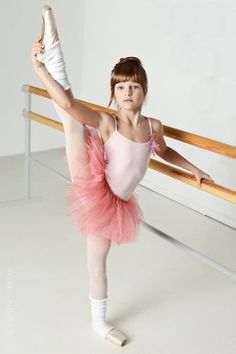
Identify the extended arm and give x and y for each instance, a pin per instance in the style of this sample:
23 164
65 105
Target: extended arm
175 158
78 111
55 90
172 156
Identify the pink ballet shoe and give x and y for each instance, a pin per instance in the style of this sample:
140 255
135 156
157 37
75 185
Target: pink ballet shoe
52 56
116 337
49 32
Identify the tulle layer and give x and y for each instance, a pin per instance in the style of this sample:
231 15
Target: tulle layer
96 210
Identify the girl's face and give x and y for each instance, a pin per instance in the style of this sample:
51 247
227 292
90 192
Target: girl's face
128 94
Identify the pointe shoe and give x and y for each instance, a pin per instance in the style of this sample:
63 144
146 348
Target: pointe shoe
49 32
53 56
116 337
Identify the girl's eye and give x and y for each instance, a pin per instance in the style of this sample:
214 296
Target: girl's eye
134 87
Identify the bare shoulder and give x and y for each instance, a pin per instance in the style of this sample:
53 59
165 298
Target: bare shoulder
106 125
159 136
157 126
106 121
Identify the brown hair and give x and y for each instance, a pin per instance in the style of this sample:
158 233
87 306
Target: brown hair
128 69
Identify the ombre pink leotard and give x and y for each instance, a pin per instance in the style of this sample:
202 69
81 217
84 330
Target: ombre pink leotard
126 162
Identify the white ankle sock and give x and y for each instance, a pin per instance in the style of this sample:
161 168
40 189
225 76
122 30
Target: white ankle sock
54 61
98 312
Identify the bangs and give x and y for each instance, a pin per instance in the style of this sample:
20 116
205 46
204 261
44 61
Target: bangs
127 72
126 77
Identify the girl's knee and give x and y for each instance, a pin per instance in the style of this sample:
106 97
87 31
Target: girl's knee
99 243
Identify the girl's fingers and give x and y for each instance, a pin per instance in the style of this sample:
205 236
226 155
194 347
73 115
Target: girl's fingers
40 50
39 45
35 52
37 48
208 177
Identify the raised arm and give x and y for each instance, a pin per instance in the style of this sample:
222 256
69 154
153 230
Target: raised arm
78 111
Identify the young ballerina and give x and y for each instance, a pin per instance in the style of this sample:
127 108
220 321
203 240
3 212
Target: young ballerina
107 156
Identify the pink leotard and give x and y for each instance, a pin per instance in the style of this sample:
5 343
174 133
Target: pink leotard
126 161
100 196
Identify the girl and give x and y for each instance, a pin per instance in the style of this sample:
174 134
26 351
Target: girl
107 155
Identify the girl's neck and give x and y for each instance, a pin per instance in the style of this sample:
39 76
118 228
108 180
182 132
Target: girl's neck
131 118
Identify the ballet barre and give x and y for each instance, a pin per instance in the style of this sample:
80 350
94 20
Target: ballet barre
183 136
189 138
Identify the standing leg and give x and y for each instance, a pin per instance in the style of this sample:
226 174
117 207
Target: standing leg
97 251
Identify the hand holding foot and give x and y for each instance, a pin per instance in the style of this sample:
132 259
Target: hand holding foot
38 47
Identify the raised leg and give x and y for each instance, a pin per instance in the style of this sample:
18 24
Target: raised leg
76 136
75 132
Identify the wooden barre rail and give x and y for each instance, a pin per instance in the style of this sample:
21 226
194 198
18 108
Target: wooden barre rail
177 134
212 145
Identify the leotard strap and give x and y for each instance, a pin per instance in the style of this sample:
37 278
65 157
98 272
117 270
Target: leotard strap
115 121
99 134
150 125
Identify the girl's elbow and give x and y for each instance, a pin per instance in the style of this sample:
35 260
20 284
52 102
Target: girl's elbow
163 152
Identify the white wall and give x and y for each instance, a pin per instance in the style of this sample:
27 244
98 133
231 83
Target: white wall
187 48
20 26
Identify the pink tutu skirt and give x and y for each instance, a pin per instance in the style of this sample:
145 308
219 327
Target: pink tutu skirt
92 205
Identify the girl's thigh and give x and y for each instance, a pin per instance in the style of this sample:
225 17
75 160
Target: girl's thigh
76 135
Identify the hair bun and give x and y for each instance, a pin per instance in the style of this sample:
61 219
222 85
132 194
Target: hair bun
133 59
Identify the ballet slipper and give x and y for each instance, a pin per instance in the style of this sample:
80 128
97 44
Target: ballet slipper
52 57
49 32
116 337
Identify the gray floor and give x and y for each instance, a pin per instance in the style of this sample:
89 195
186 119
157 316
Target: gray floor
163 299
